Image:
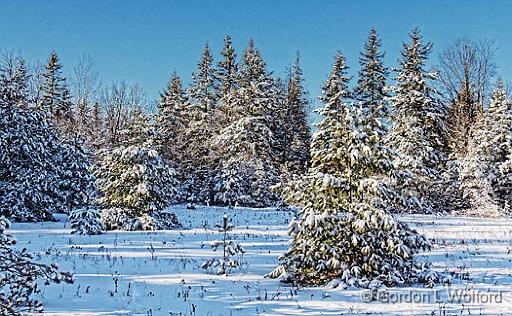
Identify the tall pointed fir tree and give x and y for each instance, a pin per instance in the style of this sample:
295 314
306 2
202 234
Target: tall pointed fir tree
56 100
246 146
227 69
135 184
171 121
418 132
486 168
344 231
294 124
370 93
198 162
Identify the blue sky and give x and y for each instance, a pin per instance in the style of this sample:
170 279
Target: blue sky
144 41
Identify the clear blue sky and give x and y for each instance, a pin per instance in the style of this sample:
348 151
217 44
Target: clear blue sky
144 41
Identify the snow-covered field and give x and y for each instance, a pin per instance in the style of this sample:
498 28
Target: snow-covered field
159 273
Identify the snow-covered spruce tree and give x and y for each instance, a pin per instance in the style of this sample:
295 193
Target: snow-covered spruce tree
171 122
135 184
246 168
343 231
19 274
246 146
295 123
79 190
202 89
227 70
198 163
29 151
56 100
227 84
485 172
371 93
418 130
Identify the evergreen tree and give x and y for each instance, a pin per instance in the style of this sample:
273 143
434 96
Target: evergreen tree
29 151
76 181
246 148
56 100
295 123
136 185
371 92
171 121
344 231
227 69
198 163
14 80
418 132
202 90
485 172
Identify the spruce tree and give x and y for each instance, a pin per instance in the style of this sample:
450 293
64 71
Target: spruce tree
171 121
29 155
198 163
56 100
227 69
246 148
370 93
485 170
202 89
418 132
294 123
344 231
135 183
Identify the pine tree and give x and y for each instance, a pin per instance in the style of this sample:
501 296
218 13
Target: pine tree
418 132
19 275
344 231
56 100
485 172
136 188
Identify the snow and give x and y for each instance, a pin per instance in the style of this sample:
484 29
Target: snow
159 273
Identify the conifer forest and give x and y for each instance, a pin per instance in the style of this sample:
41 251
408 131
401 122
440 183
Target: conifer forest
240 190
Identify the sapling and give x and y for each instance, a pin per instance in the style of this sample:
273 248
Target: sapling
231 251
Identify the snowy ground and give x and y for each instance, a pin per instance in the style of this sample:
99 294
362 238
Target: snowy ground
134 273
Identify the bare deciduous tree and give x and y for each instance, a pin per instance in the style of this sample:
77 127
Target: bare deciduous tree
119 100
468 66
86 88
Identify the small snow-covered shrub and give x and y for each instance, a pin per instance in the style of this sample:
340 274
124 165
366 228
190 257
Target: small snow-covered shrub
18 276
232 252
86 221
